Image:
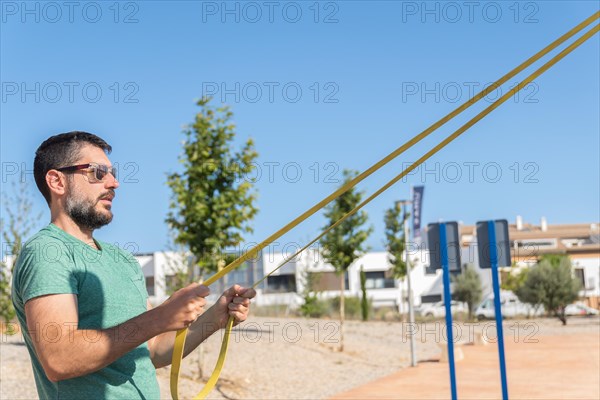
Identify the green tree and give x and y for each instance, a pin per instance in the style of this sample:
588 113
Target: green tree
212 199
395 219
19 223
364 301
551 284
313 306
467 288
346 242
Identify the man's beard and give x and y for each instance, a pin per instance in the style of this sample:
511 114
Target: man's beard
82 211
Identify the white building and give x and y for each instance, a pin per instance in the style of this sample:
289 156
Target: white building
284 287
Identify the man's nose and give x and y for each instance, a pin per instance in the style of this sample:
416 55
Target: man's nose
111 181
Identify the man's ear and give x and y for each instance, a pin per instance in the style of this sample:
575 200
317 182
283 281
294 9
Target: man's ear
56 182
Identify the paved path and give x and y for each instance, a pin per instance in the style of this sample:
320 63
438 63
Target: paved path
556 367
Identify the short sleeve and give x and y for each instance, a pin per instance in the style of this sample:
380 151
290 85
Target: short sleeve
45 267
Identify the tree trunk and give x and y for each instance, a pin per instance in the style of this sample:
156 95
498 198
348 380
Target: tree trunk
200 348
400 299
561 315
200 360
342 287
198 276
404 312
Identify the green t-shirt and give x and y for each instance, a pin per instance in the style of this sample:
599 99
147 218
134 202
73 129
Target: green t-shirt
110 290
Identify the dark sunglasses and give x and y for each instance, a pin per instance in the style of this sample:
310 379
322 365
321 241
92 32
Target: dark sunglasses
99 171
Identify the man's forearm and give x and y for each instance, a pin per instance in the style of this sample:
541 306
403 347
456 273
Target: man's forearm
162 347
83 351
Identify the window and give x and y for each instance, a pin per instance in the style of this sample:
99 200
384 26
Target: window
536 243
573 242
488 304
242 275
150 285
378 280
580 275
328 281
431 298
281 283
346 281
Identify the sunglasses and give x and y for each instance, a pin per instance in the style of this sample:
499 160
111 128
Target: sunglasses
97 171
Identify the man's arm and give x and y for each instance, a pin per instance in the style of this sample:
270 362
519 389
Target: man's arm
235 302
67 352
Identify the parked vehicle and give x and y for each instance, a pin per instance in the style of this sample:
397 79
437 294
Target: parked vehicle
580 309
510 304
438 310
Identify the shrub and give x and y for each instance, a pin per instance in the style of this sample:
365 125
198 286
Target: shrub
551 284
352 306
313 307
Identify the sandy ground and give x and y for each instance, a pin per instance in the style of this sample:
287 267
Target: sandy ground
287 358
531 373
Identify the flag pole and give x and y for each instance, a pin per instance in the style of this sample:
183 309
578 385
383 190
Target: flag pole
411 311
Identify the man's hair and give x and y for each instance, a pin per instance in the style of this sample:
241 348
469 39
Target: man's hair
59 151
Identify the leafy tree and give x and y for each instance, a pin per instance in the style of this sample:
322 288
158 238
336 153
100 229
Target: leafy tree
212 200
364 301
551 284
312 306
394 219
20 222
467 288
346 242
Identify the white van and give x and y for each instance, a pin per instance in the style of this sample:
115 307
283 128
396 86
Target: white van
511 307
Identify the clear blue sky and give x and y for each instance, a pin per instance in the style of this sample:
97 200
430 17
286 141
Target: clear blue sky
371 75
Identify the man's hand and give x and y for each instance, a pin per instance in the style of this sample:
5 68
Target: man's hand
183 307
234 302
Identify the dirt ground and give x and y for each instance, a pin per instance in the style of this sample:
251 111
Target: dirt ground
555 367
294 358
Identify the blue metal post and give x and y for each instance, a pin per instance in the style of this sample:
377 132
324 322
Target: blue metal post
447 301
497 306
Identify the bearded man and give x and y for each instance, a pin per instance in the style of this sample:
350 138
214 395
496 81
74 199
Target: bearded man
82 303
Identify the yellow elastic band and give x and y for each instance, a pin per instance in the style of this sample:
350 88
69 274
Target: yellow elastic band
176 361
254 251
212 381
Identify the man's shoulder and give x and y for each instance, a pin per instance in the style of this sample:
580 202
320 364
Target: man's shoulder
46 260
43 240
45 248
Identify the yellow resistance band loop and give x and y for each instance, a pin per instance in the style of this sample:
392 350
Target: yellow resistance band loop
405 172
180 337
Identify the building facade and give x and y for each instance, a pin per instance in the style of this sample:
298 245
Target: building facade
581 242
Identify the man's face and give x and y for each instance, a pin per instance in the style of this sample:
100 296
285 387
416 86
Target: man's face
89 203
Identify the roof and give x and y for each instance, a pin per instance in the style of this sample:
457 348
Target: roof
577 240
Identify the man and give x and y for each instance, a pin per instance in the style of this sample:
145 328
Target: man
82 303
